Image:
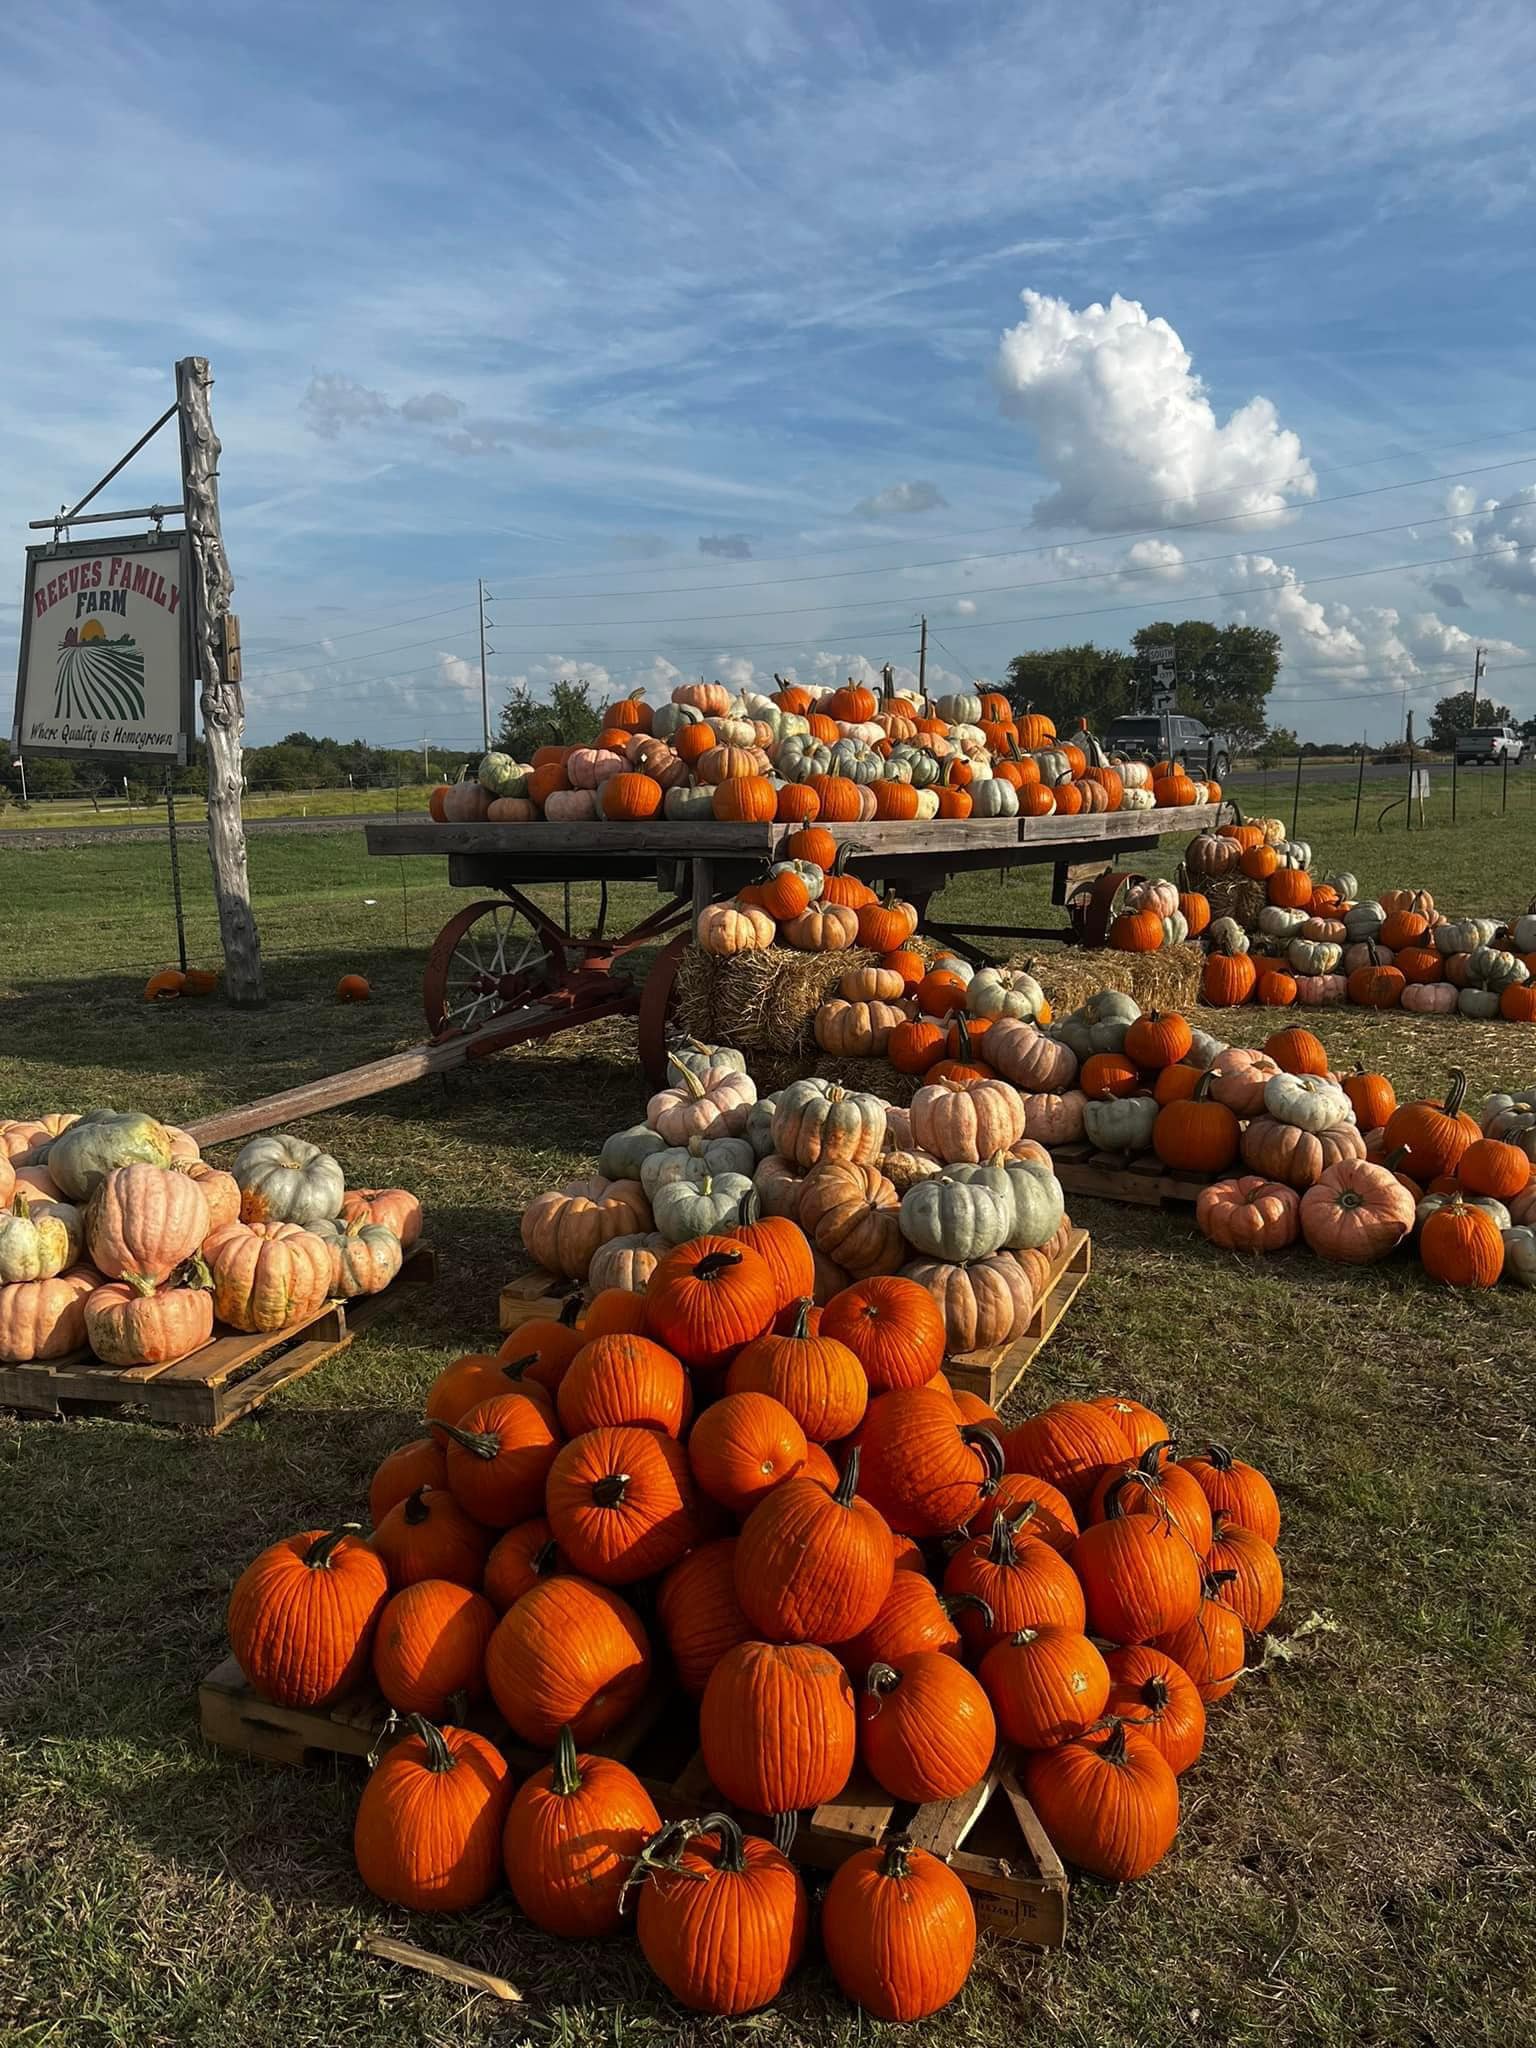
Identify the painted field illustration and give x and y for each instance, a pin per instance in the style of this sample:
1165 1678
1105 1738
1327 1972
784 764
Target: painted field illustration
99 679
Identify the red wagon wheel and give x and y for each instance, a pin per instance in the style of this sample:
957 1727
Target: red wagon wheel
657 999
489 959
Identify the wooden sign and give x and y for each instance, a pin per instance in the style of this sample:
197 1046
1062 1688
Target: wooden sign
106 650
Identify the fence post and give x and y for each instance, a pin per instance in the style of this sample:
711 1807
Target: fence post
1454 779
1504 787
1360 784
1296 798
1408 805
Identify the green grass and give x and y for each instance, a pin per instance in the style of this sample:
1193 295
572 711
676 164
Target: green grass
63 813
1355 1861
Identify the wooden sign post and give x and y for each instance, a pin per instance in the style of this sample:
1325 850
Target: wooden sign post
222 703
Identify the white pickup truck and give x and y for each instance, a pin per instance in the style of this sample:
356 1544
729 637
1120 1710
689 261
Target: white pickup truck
1486 746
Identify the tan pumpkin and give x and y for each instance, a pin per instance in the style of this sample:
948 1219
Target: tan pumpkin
815 1120
41 1319
852 1214
220 1190
1285 1152
562 1228
859 1030
143 1221
714 1103
727 928
822 928
967 1121
985 1303
267 1275
871 985
396 1208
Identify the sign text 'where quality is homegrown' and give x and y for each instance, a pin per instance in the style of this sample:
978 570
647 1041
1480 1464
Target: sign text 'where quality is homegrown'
106 664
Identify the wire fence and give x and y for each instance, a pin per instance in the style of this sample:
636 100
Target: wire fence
1424 793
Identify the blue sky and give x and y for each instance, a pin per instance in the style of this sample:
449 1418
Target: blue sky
728 337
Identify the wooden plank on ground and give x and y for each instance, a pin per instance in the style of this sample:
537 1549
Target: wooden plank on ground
1114 1177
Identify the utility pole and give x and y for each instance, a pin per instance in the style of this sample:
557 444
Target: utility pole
426 772
922 659
485 702
1477 677
216 645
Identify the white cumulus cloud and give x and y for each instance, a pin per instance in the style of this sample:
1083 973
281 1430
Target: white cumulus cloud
1502 534
1159 558
1124 425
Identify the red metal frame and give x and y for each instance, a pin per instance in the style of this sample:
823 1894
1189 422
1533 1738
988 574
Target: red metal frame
558 980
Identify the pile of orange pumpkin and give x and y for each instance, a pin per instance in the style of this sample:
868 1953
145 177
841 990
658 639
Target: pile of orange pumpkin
117 1236
1321 943
807 753
837 1560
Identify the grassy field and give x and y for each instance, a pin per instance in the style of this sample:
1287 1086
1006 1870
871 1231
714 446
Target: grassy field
66 813
1355 1860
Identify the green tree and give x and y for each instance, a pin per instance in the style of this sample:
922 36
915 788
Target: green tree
567 718
1068 683
1277 745
1455 714
1224 673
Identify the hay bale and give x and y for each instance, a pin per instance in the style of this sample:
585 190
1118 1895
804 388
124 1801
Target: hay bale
1168 979
761 1003
869 1077
1235 896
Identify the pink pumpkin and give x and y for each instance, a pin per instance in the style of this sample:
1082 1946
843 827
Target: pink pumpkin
1322 991
591 767
1429 998
567 804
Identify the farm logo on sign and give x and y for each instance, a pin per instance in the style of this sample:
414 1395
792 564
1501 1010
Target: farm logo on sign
105 653
99 678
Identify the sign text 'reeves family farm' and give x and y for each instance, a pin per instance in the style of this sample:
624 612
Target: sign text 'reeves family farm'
106 651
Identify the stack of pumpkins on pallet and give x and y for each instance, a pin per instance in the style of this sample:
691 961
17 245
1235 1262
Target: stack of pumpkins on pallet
844 1564
1321 944
116 1234
1460 1189
950 1192
809 752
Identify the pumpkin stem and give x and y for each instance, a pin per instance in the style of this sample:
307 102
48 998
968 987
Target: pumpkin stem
570 1310
1456 1094
565 1772
692 1083
785 1828
801 1328
416 1509
479 1443
1212 1582
984 1441
751 1210
611 1491
318 1556
881 1679
20 1206
439 1755
1218 1454
1113 1751
957 1603
713 1264
514 1368
848 1485
1002 1550
897 1861
1114 1500
194 1272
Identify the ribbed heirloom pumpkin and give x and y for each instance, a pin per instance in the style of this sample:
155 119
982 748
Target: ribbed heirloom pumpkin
571 1838
301 1616
428 1830
568 1653
266 1275
143 1221
134 1322
813 1566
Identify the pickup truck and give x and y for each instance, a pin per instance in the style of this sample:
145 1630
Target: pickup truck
1485 746
1170 736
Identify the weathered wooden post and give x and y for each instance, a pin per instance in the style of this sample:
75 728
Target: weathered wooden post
221 701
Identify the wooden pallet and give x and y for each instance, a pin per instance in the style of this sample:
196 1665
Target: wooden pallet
214 1386
234 1717
993 1373
531 1297
991 1835
1112 1177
